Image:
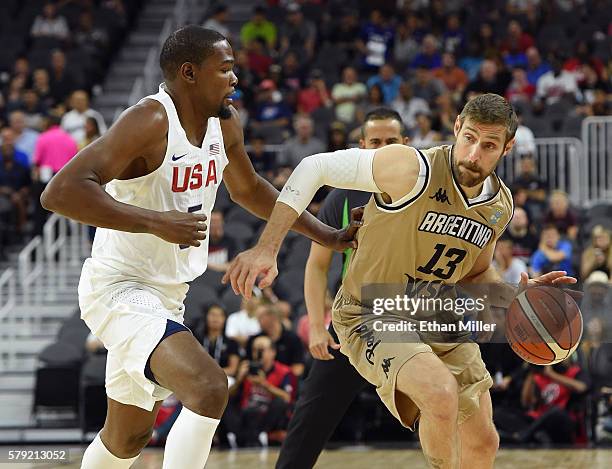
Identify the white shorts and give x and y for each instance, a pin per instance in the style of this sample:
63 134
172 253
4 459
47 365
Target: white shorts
130 320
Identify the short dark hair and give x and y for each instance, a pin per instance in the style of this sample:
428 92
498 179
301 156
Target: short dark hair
192 43
493 109
380 114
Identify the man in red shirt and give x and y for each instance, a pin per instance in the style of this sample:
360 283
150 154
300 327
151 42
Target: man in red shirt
546 393
266 388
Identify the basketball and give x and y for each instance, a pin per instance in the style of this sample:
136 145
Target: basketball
544 325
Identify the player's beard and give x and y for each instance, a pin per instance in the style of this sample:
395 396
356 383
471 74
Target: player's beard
224 112
466 178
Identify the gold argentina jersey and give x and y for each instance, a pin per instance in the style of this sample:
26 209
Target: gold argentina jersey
433 233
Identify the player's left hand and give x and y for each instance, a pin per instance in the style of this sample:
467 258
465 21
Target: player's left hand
247 266
345 238
556 277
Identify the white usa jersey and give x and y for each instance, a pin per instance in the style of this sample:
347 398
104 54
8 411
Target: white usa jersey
187 181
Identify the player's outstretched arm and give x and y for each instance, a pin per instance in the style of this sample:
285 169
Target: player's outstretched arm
258 196
393 170
134 146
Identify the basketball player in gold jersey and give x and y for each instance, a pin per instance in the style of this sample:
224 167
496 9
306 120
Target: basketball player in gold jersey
434 217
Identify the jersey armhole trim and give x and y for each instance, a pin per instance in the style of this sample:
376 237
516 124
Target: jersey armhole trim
416 192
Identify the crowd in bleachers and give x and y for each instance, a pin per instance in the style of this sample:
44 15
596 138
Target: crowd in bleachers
308 74
54 54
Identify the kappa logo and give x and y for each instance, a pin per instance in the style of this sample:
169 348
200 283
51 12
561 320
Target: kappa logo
441 196
385 365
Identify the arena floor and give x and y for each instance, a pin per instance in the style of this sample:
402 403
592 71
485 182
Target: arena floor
368 458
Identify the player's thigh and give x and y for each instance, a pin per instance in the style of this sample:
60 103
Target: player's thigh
179 363
128 422
427 382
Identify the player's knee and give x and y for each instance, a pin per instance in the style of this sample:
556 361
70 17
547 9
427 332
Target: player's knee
484 442
441 401
208 395
127 443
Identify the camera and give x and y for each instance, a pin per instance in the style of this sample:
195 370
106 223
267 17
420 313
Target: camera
255 363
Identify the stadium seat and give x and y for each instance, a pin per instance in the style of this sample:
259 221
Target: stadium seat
237 213
240 232
212 278
92 401
198 298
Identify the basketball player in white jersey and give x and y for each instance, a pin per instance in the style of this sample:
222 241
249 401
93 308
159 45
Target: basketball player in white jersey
162 163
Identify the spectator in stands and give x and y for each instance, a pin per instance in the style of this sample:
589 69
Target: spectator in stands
373 101
524 240
258 26
221 248
344 30
561 215
347 94
405 47
15 180
293 75
50 25
91 39
520 91
263 161
25 138
388 81
92 132
54 148
41 86
74 121
596 304
453 39
546 394
63 80
488 81
525 148
14 95
553 253
429 56
259 58
453 77
528 177
598 255
315 95
297 33
303 144
444 117
218 21
556 84
535 66
289 350
408 105
516 38
425 86
8 147
583 56
375 41
270 114
265 388
423 135
211 334
600 105
487 40
472 60
21 68
34 110
337 138
509 267
243 323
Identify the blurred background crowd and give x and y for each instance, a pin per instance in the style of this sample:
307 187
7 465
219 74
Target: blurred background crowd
309 72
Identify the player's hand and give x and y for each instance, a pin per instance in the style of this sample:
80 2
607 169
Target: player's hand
319 340
243 370
345 238
181 227
556 277
247 267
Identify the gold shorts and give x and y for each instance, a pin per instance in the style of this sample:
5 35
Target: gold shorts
379 361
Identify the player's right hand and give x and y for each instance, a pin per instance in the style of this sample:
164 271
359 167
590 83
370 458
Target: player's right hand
319 341
181 228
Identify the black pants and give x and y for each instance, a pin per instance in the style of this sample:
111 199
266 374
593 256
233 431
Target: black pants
327 393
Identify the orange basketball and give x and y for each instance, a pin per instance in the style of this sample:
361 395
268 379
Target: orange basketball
543 325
